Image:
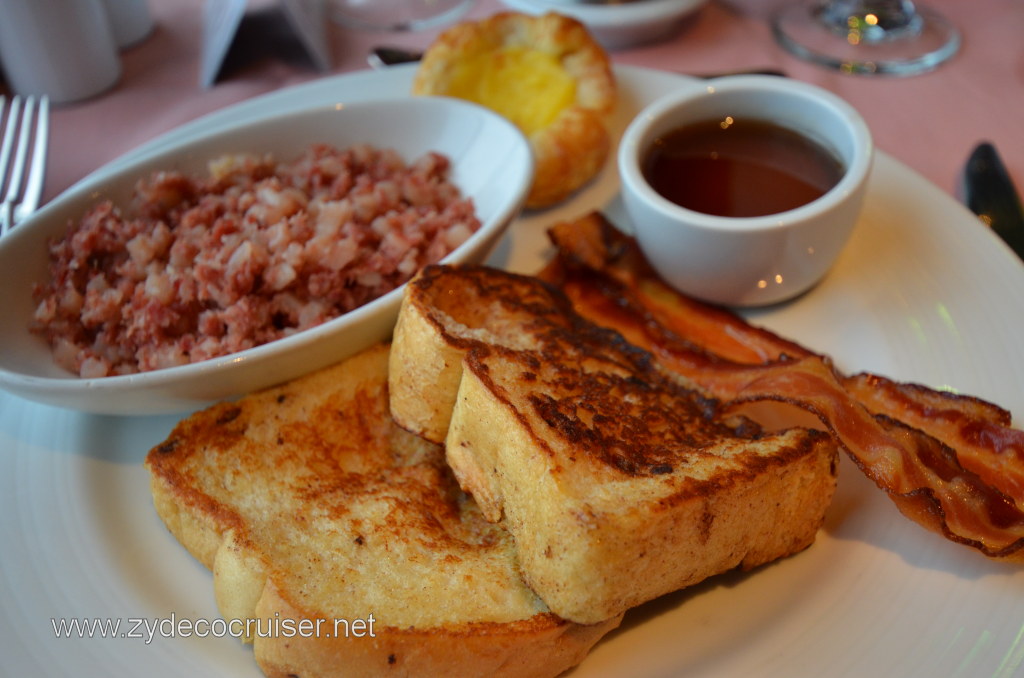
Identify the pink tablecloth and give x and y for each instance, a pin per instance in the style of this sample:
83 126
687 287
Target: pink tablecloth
930 122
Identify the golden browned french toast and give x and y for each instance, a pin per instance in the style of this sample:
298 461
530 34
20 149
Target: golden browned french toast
617 481
349 540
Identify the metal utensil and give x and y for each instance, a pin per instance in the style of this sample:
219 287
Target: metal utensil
384 56
989 192
24 131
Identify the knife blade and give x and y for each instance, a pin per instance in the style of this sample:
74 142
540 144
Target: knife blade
383 56
989 192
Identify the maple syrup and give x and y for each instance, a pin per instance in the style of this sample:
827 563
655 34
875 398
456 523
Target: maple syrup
740 168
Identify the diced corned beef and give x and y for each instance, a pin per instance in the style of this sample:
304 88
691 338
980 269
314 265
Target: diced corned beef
257 251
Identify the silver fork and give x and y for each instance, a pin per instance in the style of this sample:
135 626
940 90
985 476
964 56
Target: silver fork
24 129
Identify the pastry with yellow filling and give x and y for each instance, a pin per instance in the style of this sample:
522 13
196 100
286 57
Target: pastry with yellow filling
544 73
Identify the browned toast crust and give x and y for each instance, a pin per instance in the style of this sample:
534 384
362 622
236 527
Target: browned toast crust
308 503
445 315
618 482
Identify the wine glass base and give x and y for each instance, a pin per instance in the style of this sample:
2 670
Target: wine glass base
798 29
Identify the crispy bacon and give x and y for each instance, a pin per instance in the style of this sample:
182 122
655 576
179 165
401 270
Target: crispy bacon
951 463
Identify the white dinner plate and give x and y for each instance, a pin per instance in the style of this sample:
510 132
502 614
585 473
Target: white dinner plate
922 293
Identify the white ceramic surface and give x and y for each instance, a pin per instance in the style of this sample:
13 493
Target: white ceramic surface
747 261
491 163
912 296
397 15
130 20
619 25
64 49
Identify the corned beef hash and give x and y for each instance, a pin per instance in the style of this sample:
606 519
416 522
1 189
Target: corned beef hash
198 268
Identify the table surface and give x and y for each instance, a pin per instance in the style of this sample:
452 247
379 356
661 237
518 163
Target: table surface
930 122
875 596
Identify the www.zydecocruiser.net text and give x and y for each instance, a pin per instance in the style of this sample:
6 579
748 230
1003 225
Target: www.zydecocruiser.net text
148 629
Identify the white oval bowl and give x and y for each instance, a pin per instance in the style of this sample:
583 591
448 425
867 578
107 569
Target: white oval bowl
491 164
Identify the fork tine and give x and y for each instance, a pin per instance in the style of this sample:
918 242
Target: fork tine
10 132
21 199
37 165
18 168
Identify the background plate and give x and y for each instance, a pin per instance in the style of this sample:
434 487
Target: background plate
922 293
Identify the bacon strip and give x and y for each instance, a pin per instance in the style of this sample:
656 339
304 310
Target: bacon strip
980 431
951 463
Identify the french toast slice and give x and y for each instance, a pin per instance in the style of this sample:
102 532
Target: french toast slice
618 481
349 540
